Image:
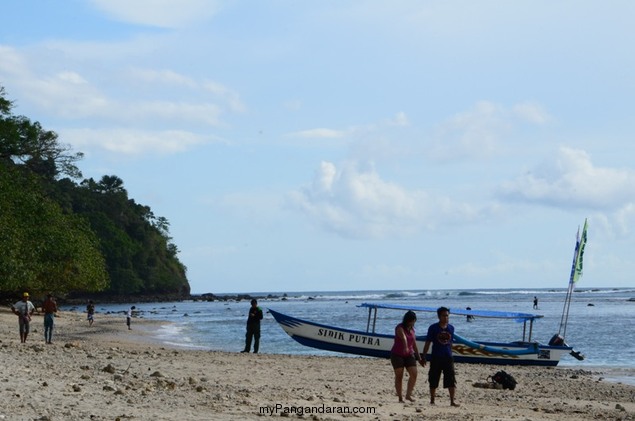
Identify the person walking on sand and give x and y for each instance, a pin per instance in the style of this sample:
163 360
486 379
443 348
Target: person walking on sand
129 316
253 327
90 310
440 337
405 354
24 309
49 306
535 303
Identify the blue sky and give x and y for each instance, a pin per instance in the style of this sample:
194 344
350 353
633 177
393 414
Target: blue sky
349 145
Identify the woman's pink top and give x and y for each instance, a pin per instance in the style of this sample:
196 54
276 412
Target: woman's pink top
398 348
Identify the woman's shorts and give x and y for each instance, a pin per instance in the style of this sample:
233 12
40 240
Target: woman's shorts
398 361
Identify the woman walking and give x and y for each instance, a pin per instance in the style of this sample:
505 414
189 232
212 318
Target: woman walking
404 355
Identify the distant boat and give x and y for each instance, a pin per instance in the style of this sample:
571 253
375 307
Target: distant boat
372 344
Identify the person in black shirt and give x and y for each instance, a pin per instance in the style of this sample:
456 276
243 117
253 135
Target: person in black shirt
253 327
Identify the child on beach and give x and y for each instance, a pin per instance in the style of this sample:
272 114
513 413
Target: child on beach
90 309
129 316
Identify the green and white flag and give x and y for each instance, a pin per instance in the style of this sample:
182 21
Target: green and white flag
576 269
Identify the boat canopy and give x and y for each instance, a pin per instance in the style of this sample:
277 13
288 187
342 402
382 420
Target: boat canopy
519 317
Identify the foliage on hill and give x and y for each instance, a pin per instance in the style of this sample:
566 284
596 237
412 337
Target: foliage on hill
60 235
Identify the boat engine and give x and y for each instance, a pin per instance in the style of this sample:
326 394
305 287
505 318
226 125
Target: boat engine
557 340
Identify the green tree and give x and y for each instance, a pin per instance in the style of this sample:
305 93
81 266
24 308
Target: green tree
59 235
39 150
136 244
42 248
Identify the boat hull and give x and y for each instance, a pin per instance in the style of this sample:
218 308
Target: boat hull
356 342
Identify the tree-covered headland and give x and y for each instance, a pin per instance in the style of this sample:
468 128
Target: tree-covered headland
71 236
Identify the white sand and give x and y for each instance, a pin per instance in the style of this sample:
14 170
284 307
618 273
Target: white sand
109 373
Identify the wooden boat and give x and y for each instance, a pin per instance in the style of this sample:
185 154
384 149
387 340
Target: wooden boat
369 343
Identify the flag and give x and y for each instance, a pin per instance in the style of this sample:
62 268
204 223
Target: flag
579 255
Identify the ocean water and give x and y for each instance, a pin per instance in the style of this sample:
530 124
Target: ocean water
601 323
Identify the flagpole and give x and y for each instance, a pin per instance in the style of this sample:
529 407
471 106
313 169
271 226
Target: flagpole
576 271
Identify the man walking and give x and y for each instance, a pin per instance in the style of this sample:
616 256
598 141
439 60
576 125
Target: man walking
50 310
24 310
440 337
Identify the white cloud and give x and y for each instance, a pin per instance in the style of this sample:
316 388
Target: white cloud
11 62
230 96
501 266
163 77
570 180
73 95
624 218
76 102
481 131
474 133
400 119
65 93
357 203
168 110
531 112
142 124
130 141
320 133
160 13
71 77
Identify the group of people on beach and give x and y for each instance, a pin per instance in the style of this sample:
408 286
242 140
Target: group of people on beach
404 354
25 309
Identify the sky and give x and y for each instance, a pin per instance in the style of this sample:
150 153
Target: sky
349 145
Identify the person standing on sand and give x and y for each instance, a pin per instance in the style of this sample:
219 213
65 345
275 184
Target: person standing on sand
535 303
129 316
90 310
440 337
49 306
405 354
24 310
253 327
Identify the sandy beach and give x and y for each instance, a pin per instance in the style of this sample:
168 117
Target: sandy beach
106 372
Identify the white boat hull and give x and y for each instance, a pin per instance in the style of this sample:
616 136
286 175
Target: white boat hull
348 341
